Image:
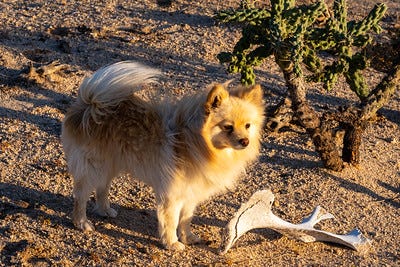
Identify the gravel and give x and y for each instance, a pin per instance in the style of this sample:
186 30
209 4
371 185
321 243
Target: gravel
182 39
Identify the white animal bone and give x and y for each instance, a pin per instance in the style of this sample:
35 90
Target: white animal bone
256 213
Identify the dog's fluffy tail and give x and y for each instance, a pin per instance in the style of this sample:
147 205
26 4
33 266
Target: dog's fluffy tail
110 85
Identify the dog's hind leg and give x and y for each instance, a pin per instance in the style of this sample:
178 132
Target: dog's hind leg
82 190
102 201
184 230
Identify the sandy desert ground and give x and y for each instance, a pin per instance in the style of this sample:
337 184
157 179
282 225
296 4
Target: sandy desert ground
182 40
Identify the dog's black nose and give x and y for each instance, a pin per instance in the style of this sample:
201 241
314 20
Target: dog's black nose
244 142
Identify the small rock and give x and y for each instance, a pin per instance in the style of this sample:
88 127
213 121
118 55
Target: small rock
146 30
164 3
61 31
22 204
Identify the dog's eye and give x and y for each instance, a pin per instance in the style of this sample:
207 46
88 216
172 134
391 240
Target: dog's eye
228 128
247 125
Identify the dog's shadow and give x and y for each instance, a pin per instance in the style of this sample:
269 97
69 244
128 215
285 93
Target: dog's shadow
135 225
57 208
143 225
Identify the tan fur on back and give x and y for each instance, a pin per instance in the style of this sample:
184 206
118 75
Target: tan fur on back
131 125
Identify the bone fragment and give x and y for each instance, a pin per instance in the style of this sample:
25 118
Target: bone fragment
256 213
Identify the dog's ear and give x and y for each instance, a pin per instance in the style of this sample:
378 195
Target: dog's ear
252 94
215 97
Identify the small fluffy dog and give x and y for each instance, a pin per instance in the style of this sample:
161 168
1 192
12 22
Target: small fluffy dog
187 151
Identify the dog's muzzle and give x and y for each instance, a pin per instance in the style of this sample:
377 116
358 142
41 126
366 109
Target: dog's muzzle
244 142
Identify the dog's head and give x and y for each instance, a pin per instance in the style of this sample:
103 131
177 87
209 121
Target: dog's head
234 118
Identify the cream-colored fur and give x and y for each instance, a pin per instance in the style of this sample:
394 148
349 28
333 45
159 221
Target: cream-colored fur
187 151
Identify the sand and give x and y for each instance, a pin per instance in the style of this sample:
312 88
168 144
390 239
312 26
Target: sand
182 40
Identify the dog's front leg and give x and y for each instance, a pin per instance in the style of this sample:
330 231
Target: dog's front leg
184 228
168 218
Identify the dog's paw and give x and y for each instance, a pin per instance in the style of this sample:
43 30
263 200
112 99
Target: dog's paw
85 225
110 212
191 239
177 246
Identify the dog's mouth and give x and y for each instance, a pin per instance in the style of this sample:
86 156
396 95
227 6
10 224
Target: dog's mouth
234 143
